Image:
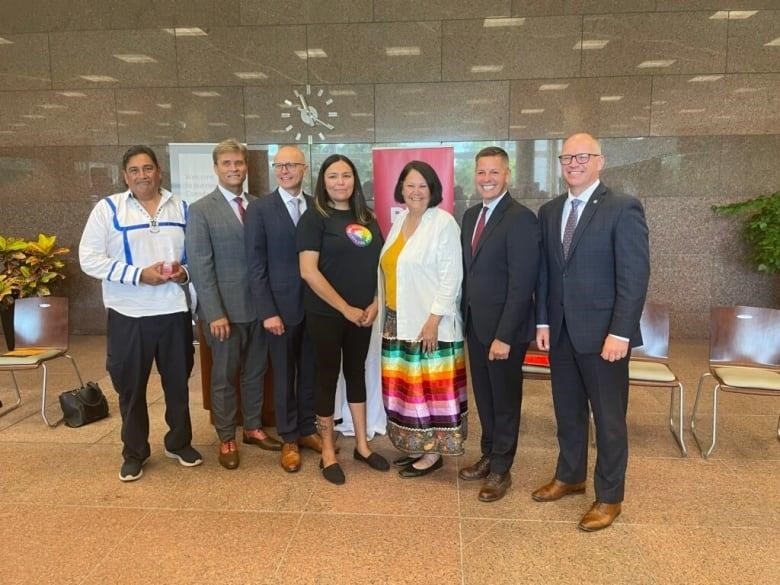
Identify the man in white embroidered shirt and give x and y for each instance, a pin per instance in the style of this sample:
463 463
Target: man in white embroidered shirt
134 243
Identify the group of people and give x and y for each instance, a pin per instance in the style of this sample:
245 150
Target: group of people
307 279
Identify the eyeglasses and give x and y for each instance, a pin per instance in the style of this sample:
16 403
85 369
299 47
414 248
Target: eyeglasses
288 166
580 157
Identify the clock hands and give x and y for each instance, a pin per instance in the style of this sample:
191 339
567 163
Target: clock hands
320 122
303 101
308 113
310 116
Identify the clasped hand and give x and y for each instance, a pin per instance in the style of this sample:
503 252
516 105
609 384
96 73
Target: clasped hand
155 274
361 317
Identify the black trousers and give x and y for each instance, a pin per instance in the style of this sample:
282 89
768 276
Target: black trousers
133 343
292 358
335 338
578 379
498 392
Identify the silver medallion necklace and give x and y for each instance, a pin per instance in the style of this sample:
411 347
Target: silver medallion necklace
154 221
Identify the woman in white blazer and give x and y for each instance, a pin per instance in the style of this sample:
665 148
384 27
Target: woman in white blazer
423 363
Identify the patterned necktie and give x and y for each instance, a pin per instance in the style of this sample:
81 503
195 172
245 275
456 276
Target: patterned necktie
479 229
571 225
295 209
241 211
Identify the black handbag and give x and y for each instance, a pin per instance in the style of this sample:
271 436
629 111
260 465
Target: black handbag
83 405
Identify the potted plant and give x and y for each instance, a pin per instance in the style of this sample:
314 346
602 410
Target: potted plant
760 229
28 268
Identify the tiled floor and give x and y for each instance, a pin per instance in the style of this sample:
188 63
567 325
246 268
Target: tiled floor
66 518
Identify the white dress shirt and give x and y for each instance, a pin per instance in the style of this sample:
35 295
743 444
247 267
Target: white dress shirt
288 197
231 199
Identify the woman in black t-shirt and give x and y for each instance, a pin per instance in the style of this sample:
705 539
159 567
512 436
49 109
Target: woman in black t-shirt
338 244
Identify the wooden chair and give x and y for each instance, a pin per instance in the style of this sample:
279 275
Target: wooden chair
41 335
744 358
648 367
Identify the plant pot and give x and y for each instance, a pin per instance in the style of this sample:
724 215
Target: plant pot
7 319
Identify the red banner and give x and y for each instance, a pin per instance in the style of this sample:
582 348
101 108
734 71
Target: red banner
388 163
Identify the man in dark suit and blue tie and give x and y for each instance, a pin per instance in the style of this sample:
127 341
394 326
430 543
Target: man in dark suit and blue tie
277 293
592 284
215 249
500 242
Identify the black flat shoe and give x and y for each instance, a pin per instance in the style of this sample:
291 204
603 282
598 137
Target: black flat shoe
405 460
412 471
333 473
374 461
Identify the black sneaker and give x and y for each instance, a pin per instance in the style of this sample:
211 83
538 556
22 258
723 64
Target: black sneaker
187 456
132 469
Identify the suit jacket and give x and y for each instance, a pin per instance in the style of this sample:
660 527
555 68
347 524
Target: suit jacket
601 287
499 279
217 260
272 257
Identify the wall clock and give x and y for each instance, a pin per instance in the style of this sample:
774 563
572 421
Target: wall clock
309 114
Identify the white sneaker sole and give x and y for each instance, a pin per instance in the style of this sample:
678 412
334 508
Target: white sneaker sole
172 455
129 478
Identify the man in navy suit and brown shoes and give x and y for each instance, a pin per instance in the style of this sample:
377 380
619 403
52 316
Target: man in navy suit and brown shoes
500 242
277 293
592 284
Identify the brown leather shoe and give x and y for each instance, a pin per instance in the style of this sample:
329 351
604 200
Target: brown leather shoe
291 457
262 439
495 487
599 516
313 442
556 489
478 470
228 454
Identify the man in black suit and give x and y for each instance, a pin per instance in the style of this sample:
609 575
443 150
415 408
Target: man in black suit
592 284
277 292
500 241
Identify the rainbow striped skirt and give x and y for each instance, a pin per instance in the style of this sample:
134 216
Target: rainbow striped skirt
424 395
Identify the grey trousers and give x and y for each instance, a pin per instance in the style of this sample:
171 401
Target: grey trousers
239 362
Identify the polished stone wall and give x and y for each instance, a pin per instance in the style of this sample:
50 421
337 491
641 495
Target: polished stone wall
685 94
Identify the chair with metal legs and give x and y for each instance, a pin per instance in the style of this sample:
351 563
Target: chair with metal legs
648 367
744 359
41 335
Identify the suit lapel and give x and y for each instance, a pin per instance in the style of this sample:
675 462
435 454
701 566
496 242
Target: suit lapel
469 222
280 208
226 209
494 220
555 228
587 214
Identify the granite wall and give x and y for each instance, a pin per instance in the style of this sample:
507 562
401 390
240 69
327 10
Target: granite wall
685 95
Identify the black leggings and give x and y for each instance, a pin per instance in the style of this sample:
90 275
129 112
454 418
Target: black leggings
334 337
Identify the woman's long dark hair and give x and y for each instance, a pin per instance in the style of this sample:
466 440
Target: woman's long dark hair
357 202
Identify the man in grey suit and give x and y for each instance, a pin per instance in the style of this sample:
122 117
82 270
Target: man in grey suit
277 292
215 250
592 285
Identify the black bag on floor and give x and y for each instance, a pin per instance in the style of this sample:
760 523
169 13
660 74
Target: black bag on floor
83 405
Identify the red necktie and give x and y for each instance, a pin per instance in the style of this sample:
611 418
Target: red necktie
241 211
479 229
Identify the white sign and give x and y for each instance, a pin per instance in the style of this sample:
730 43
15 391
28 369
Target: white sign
192 170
